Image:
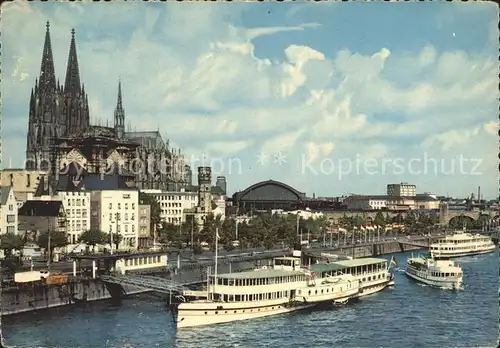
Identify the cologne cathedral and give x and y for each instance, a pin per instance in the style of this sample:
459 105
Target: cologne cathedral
62 141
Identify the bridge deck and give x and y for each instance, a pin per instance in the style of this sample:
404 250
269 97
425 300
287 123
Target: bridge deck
147 282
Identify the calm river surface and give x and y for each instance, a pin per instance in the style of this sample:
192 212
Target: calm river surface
409 315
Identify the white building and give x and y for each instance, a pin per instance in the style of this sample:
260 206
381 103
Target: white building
173 204
402 190
304 214
117 212
394 203
77 207
8 211
220 209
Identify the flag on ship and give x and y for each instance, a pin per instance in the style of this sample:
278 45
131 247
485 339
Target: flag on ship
393 261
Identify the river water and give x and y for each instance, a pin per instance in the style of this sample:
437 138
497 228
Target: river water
408 315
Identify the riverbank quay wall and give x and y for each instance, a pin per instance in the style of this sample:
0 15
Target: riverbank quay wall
27 297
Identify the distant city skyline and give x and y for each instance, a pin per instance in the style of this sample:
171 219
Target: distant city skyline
327 98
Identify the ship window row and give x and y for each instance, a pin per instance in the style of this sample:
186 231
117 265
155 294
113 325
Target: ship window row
459 247
254 297
359 270
463 241
146 260
375 277
445 275
249 310
259 281
323 291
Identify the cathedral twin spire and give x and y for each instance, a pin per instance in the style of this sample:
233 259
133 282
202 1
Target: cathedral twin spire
55 111
58 111
72 83
47 81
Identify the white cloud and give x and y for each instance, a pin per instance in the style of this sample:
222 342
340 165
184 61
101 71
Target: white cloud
193 71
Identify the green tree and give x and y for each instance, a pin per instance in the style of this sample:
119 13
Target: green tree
410 219
190 226
170 234
57 240
434 219
117 239
379 219
9 242
145 199
94 237
207 232
398 219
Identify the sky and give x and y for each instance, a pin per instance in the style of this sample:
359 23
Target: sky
329 98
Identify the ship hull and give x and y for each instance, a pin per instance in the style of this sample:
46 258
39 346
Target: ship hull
463 254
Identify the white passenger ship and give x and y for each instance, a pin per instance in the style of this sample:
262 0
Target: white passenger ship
282 288
372 273
461 243
439 273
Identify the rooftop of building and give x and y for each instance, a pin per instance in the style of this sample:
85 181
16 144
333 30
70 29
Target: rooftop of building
88 182
388 197
41 208
4 194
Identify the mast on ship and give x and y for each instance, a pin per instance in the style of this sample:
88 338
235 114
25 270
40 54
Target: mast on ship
216 258
2 342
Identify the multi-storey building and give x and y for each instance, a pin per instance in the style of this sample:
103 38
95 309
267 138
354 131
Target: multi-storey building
117 212
8 211
40 216
402 190
374 202
144 225
77 207
222 183
173 204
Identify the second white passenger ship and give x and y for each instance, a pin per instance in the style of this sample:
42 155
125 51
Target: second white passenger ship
443 274
460 244
284 287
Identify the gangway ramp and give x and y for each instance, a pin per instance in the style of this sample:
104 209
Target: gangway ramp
146 282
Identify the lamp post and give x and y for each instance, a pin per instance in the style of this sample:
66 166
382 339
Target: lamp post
192 232
49 253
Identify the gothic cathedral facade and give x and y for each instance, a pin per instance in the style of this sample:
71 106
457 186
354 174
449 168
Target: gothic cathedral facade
59 132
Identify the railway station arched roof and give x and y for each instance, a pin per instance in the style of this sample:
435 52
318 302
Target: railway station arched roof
270 190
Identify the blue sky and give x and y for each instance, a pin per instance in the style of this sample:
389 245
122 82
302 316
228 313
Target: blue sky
335 98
